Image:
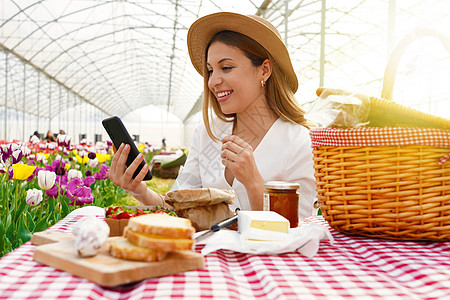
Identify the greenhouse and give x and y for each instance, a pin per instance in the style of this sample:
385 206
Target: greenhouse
295 149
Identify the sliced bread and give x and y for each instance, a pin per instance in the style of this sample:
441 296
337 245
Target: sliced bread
157 242
162 224
122 248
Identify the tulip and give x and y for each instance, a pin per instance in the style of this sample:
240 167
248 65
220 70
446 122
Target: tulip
74 173
103 173
34 197
22 171
46 179
103 157
93 163
34 140
78 193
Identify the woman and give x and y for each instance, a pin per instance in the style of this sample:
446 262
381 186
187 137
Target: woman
253 130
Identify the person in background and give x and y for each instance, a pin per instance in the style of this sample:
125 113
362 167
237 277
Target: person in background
62 131
50 137
253 130
163 142
36 137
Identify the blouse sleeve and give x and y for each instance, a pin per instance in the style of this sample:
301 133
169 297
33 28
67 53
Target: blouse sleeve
189 176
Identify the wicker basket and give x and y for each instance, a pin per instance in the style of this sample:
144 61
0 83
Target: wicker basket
388 182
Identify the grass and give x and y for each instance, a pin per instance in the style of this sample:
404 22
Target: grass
159 185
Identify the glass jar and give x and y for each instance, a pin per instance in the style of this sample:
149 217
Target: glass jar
282 197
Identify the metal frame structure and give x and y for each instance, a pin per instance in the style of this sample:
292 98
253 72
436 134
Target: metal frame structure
74 62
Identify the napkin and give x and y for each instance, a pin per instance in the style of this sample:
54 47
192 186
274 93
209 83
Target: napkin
304 239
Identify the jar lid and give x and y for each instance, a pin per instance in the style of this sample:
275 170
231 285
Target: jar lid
281 185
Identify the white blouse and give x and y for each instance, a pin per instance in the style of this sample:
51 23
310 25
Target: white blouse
284 154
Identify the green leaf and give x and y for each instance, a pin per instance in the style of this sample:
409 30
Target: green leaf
30 222
41 225
23 233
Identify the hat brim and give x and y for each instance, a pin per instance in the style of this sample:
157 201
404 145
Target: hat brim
202 30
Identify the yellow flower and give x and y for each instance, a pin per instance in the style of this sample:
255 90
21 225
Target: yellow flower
82 160
22 171
45 154
67 167
141 147
103 157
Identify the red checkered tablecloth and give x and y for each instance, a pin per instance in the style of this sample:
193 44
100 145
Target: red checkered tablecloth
352 267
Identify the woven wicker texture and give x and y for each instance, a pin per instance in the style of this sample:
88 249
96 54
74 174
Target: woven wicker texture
395 192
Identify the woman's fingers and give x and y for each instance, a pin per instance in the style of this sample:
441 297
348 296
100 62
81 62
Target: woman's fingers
234 148
134 165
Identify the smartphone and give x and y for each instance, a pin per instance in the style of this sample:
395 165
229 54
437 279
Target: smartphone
119 134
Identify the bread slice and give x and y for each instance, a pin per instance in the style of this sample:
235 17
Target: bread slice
157 242
122 248
162 224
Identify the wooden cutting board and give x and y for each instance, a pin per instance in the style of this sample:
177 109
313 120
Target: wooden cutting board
55 249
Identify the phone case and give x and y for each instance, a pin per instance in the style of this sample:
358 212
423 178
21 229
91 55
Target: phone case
119 134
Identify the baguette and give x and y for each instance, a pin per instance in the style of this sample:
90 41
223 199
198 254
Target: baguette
162 224
157 242
122 248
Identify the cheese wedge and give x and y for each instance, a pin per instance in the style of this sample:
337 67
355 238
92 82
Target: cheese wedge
263 220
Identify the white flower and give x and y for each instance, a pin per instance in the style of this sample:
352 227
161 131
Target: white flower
40 157
46 179
34 197
35 140
74 173
93 162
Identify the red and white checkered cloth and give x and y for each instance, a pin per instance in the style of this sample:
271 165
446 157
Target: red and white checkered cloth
352 267
381 136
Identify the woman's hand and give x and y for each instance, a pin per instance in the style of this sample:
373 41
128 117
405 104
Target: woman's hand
122 176
237 156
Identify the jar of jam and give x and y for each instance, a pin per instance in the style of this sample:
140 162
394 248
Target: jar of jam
282 197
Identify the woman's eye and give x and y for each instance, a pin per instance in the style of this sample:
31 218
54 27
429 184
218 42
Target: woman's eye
226 68
209 72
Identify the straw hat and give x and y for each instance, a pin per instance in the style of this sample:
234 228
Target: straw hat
257 28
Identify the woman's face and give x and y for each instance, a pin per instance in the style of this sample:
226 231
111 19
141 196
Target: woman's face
233 79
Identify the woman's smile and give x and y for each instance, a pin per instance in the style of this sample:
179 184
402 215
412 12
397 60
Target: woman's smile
222 96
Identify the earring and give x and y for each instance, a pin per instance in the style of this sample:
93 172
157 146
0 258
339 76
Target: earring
263 84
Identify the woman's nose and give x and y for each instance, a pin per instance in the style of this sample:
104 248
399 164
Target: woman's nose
214 80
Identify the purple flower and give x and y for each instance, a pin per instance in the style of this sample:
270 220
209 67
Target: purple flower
78 193
17 152
6 152
88 173
92 155
103 173
10 172
57 163
52 192
88 180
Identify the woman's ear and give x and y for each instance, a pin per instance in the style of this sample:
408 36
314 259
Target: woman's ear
266 68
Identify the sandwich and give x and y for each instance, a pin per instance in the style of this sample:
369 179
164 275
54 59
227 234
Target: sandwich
151 237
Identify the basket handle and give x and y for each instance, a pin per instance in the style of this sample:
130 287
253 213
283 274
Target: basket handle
394 60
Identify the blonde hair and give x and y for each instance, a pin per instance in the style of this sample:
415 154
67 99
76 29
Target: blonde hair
278 93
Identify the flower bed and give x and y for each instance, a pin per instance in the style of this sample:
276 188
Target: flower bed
40 183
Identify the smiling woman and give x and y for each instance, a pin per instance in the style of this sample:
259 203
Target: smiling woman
249 113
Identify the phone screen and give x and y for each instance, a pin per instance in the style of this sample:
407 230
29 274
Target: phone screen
119 134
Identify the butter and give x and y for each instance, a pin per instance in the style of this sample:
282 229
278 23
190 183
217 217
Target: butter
262 220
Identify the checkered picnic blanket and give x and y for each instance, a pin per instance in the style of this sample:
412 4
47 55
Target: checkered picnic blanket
352 267
381 136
